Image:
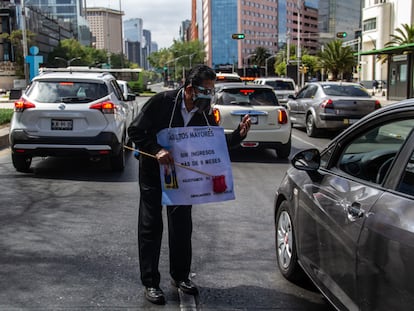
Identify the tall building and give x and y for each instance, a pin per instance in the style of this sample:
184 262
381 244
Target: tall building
134 40
340 16
106 28
69 11
146 49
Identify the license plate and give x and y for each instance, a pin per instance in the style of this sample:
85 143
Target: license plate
254 119
62 125
350 121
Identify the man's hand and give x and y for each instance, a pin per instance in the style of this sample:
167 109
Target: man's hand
164 157
245 125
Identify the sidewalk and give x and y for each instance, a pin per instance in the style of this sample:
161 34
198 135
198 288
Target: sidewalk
4 132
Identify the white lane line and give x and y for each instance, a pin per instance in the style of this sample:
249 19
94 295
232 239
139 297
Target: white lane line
304 141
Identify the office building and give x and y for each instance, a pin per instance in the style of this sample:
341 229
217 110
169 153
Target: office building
106 27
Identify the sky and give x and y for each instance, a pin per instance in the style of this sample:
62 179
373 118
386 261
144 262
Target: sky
162 17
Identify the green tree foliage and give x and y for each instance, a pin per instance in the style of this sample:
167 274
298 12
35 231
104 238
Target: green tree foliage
403 35
337 59
16 40
178 57
261 55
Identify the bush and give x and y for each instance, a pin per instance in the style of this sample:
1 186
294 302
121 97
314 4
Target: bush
5 115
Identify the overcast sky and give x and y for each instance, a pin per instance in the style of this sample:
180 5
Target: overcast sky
162 17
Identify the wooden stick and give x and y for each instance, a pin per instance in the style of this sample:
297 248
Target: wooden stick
178 164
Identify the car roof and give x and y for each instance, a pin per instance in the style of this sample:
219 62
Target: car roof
335 83
275 79
235 85
74 75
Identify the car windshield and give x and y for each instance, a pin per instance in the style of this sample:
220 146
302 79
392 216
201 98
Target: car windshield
248 96
281 85
66 91
344 90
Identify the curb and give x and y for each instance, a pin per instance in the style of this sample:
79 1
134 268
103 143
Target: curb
4 137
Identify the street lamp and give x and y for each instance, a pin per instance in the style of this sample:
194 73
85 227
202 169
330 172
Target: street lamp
68 62
270 57
244 62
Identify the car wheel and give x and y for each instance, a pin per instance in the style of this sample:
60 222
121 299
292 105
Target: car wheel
283 151
311 129
118 161
286 254
21 163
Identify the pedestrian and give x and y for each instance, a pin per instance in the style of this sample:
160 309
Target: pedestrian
375 86
187 106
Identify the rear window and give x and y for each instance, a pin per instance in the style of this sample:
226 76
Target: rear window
66 91
248 96
281 85
345 90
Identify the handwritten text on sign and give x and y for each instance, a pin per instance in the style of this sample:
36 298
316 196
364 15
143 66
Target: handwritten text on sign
203 149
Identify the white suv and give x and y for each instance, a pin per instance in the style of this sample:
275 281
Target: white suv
70 113
283 87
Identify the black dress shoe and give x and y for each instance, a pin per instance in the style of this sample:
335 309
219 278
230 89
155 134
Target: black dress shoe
187 286
155 295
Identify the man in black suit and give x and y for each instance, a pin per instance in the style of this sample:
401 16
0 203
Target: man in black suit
187 106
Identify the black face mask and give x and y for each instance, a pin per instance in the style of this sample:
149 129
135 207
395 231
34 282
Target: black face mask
202 102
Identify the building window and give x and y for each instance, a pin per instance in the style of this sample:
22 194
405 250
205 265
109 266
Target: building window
370 24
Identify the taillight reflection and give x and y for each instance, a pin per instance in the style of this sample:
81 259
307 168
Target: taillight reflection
216 114
105 107
23 104
377 104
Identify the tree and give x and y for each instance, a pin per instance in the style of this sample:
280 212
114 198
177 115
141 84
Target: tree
181 55
261 55
16 40
337 59
403 35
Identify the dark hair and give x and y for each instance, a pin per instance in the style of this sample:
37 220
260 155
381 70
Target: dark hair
198 74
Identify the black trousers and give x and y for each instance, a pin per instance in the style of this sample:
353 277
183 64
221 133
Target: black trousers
150 228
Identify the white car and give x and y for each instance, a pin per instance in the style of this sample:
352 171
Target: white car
283 87
130 99
271 127
69 113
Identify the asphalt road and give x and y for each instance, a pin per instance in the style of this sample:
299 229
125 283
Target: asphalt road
68 240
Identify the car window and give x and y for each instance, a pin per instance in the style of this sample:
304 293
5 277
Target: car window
281 85
302 92
248 96
66 91
369 155
407 181
344 90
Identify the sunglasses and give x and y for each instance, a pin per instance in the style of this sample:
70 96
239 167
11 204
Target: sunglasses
204 90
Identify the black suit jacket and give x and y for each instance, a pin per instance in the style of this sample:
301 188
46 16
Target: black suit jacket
155 116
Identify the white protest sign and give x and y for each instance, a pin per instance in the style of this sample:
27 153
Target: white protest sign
200 149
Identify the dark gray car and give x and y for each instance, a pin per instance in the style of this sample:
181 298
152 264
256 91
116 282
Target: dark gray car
330 105
345 215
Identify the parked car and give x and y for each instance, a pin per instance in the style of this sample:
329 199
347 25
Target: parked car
69 113
330 106
283 87
270 127
344 216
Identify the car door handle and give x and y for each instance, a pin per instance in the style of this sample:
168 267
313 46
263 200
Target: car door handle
355 211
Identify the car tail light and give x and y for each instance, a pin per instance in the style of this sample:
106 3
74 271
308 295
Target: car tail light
377 104
282 117
105 107
216 115
326 104
23 104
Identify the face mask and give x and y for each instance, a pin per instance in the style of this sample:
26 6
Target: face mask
202 102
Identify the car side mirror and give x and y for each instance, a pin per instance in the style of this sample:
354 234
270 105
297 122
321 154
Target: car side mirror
131 97
307 160
291 96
